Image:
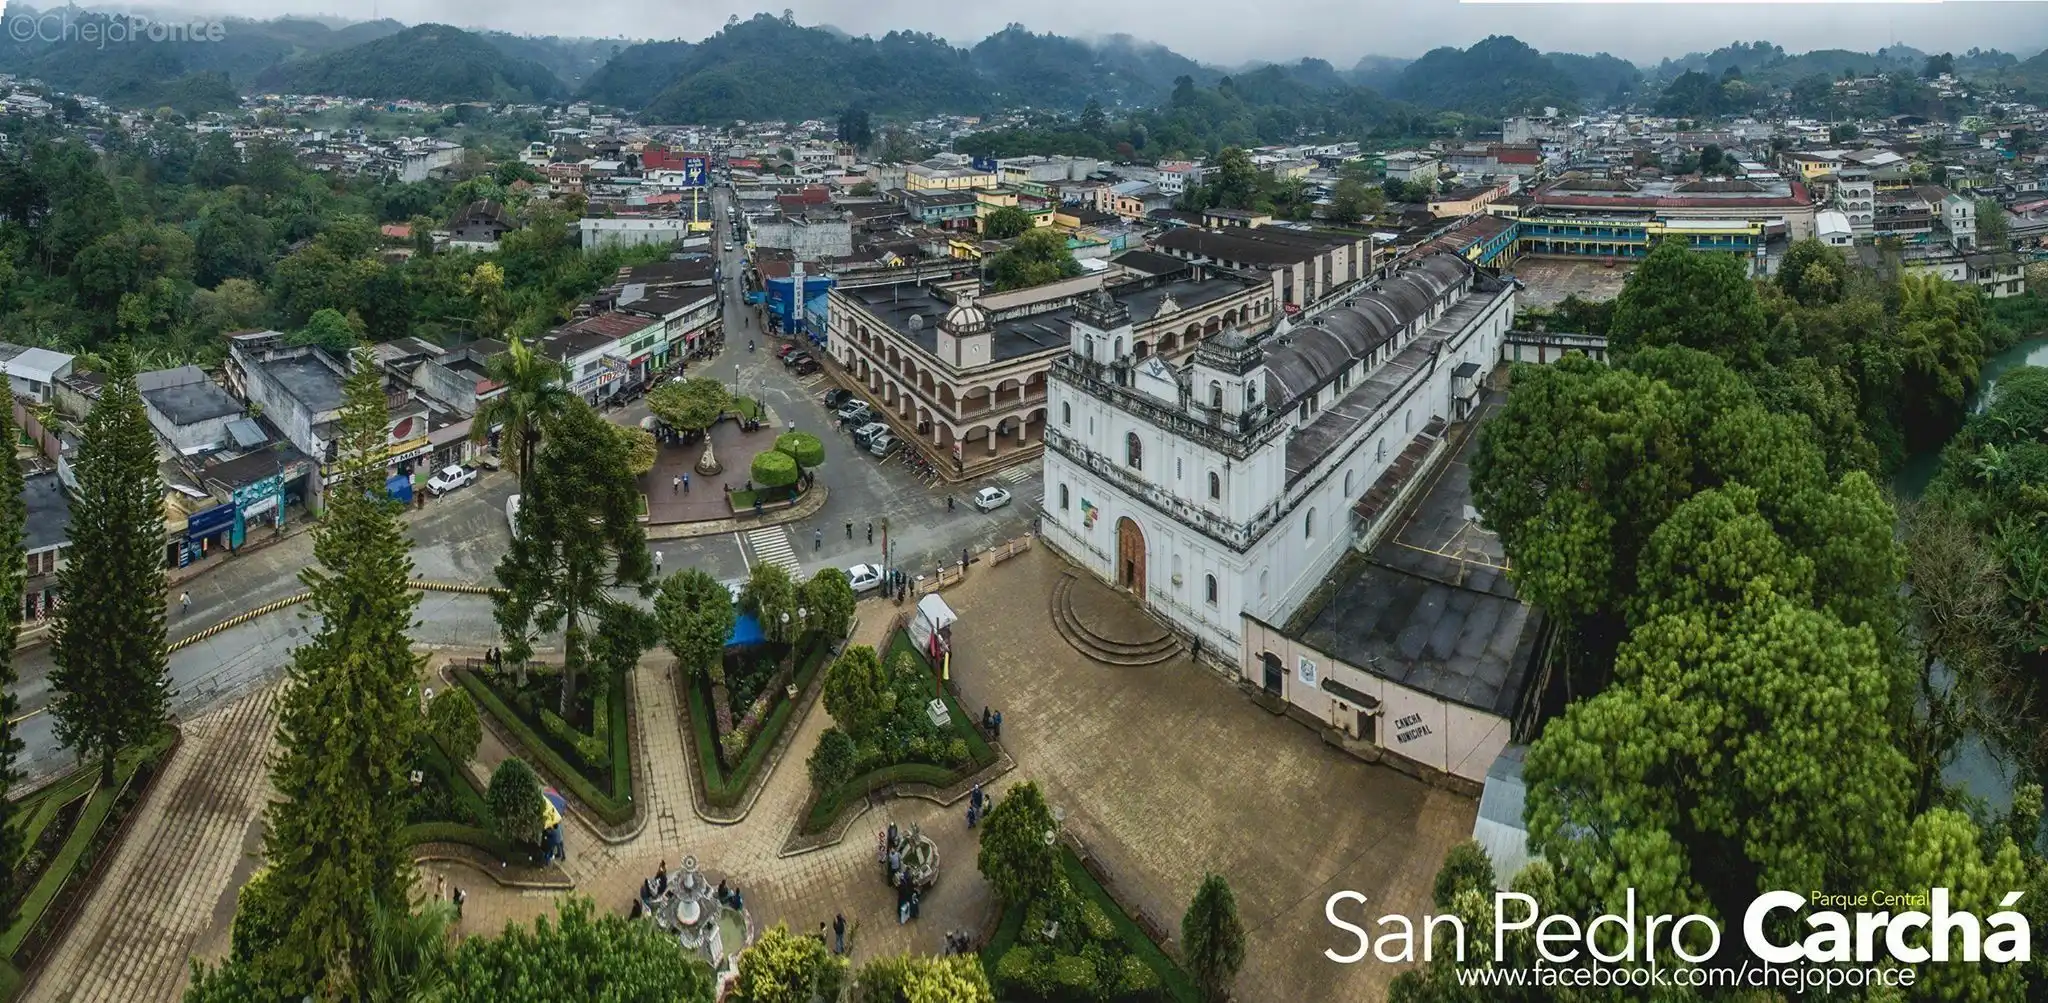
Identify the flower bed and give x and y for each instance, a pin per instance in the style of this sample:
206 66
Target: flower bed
1103 956
725 777
956 752
597 769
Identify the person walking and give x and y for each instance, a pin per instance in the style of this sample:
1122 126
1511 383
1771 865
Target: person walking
949 503
839 933
849 529
675 484
817 540
184 602
657 562
998 731
686 483
871 533
1196 656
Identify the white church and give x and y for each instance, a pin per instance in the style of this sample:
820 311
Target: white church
1220 493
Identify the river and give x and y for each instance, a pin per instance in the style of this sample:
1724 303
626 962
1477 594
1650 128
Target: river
1977 769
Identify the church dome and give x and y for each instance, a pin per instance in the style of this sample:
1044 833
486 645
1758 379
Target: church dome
965 318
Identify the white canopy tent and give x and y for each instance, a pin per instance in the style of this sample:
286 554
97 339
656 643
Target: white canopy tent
933 617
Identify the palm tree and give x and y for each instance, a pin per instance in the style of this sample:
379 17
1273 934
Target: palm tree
535 391
410 955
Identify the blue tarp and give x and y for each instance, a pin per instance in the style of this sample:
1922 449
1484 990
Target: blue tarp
400 488
745 631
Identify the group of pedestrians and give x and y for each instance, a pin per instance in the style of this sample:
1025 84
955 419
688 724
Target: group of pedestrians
992 723
976 806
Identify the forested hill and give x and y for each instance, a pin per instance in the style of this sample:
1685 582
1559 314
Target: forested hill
189 78
430 62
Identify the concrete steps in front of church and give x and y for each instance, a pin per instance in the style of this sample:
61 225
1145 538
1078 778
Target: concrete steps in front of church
1149 645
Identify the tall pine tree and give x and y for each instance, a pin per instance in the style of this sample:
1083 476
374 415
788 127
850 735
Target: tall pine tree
349 718
111 663
13 567
579 538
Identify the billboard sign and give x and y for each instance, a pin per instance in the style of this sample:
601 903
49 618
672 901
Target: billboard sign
696 170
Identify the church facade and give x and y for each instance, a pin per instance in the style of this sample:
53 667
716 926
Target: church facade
1223 488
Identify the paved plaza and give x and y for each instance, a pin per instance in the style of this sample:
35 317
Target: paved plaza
1163 772
735 450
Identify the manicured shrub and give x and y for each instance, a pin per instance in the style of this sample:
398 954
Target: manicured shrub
515 801
832 763
452 721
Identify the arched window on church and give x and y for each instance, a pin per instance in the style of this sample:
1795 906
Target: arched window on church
1063 498
1308 525
1215 485
1209 588
1215 395
1134 451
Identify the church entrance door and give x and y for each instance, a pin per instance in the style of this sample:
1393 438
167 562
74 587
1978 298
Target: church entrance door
1130 556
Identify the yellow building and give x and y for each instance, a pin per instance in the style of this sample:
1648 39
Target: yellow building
923 178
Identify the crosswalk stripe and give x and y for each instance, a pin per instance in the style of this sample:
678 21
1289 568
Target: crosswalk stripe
771 545
1017 474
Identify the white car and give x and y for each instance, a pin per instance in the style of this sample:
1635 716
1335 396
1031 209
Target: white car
449 478
990 499
864 577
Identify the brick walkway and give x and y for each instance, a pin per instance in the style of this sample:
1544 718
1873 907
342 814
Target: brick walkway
735 451
164 890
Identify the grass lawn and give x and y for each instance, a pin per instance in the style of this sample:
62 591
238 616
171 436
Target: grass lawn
725 788
458 813
747 407
606 788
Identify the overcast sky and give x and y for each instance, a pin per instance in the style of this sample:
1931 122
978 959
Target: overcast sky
1228 32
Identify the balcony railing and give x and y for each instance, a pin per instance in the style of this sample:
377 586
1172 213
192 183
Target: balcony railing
1238 536
1235 436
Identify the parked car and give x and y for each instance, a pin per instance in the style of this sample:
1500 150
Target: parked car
866 433
856 411
990 499
883 444
836 398
449 478
786 351
864 577
805 366
795 358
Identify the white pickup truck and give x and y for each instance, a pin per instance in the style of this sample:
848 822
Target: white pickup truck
449 478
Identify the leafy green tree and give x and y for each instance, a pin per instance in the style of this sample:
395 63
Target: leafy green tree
857 692
774 469
1233 183
1945 849
1355 200
13 568
914 978
1994 230
1006 222
452 721
579 538
1941 330
693 405
1692 779
834 760
783 967
568 958
515 800
1019 848
829 598
111 673
1466 868
1797 274
328 329
696 615
1212 938
773 599
1093 121
1039 256
1963 630
534 394
1702 301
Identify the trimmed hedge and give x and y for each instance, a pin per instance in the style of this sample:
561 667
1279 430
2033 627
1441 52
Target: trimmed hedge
613 810
1176 981
464 789
721 789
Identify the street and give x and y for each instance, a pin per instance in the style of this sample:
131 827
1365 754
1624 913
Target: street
459 538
